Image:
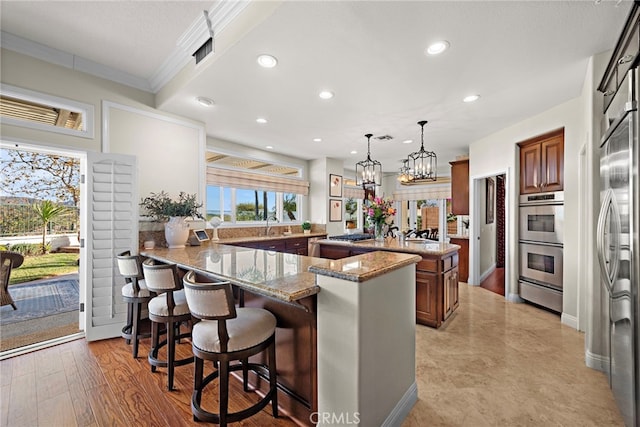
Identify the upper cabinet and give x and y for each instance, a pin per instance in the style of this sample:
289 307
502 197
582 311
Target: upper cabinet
542 163
460 187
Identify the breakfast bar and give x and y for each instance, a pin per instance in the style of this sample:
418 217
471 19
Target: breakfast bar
332 316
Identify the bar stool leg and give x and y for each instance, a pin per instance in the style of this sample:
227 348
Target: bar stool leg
154 343
171 348
224 391
273 379
134 328
245 374
129 322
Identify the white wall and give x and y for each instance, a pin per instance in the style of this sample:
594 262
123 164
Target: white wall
169 152
487 232
498 152
33 74
319 170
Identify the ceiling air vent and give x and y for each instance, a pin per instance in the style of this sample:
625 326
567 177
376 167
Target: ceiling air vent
203 50
383 137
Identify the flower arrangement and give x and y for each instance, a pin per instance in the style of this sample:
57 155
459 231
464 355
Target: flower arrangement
379 211
160 206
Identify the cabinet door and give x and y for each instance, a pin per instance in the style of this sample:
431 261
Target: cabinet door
552 162
296 246
460 187
427 299
447 306
530 169
454 300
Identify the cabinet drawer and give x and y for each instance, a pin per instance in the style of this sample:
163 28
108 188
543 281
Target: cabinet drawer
428 265
296 243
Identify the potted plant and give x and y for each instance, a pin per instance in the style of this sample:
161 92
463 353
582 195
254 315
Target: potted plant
306 227
161 207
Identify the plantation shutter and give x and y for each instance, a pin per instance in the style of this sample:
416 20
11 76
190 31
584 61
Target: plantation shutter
111 226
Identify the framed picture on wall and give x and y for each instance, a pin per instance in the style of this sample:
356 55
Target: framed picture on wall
335 210
491 200
335 185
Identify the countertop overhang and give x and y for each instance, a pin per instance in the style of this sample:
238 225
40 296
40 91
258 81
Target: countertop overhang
417 246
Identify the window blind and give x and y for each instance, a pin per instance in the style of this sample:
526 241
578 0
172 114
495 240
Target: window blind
352 192
423 192
239 179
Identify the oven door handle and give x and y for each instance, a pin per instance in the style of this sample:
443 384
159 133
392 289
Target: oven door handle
608 269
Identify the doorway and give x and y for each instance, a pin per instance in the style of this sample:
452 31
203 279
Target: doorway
489 249
40 202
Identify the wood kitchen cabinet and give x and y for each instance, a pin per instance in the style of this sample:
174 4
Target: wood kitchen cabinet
460 187
436 280
542 163
290 245
463 252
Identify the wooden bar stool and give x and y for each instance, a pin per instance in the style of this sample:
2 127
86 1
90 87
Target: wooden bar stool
135 294
226 333
168 308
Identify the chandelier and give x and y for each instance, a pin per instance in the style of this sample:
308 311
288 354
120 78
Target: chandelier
404 176
420 165
368 172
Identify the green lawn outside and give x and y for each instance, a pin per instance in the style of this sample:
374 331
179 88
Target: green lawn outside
43 266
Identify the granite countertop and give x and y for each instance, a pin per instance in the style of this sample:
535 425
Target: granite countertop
275 274
414 246
361 268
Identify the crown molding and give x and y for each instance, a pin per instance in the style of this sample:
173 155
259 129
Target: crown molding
196 35
55 56
221 14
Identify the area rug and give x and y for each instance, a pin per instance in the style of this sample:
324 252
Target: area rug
41 299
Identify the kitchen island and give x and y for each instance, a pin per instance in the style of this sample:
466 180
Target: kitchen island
332 316
436 273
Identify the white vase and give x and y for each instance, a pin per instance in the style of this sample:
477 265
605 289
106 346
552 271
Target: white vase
176 232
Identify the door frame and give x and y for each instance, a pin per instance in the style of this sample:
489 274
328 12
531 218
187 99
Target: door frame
28 145
511 286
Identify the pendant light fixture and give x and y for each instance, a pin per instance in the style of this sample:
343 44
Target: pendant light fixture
368 172
422 164
404 176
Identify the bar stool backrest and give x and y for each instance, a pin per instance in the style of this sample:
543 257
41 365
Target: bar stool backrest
130 267
209 300
160 278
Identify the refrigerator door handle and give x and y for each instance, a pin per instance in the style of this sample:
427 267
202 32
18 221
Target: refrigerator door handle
608 269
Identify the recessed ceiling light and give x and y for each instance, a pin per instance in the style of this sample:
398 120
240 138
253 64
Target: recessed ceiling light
269 147
317 139
471 98
204 101
267 61
437 47
354 152
407 141
326 94
261 120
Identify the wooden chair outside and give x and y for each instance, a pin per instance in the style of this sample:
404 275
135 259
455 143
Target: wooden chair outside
8 261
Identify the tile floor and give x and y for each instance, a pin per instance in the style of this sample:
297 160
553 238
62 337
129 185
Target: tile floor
497 363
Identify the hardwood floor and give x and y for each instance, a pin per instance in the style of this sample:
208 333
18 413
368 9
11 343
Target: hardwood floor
492 363
494 282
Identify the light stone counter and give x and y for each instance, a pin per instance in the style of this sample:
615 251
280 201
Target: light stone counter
364 267
243 239
414 246
274 274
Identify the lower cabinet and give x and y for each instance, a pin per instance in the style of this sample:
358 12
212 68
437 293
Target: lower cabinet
436 282
294 245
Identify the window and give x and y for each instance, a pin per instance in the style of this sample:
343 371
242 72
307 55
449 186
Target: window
245 206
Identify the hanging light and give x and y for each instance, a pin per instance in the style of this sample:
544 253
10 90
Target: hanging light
404 176
422 164
368 172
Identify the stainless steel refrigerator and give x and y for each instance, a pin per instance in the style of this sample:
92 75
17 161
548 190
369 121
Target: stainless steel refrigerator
617 243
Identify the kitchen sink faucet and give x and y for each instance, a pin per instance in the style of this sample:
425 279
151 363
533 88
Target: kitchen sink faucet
267 229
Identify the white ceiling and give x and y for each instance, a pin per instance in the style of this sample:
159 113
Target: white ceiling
522 57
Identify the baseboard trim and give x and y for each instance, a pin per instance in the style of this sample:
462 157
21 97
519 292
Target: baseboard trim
596 361
403 407
569 320
486 274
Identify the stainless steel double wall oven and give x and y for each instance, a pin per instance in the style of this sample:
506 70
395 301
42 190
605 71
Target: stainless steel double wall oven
541 248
